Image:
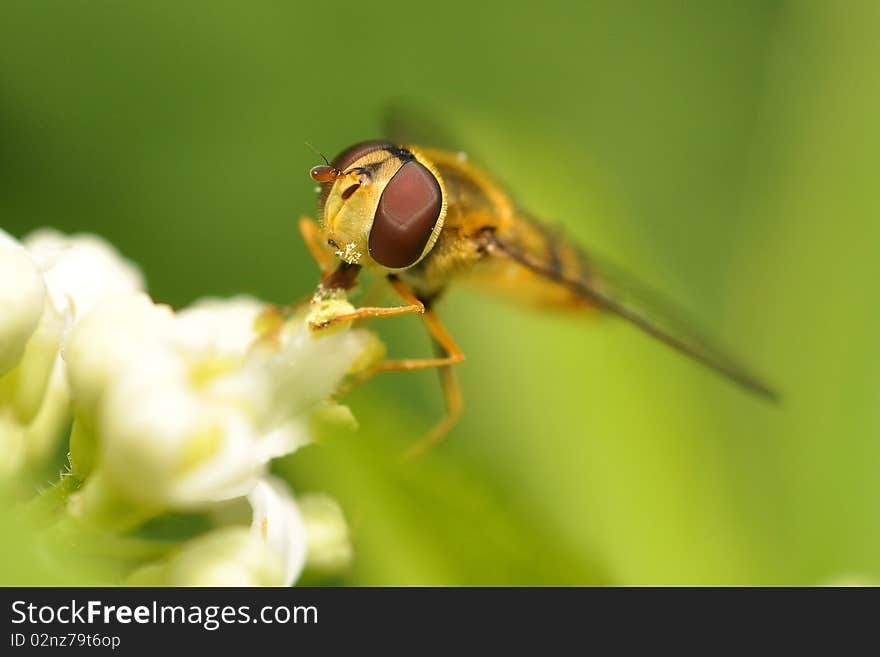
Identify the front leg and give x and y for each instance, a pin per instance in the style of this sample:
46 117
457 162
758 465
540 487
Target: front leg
448 352
413 305
447 355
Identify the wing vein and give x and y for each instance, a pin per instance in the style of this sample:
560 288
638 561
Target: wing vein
676 337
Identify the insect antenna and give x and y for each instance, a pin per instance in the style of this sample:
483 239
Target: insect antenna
323 173
318 153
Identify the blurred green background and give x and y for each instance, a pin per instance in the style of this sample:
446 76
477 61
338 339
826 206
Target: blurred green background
727 153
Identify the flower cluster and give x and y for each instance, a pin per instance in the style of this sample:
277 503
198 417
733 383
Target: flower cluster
169 411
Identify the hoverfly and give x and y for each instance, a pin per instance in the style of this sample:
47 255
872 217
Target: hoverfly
425 218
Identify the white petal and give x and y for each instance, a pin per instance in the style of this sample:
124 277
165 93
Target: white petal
307 369
186 413
28 382
285 439
222 326
278 523
22 298
7 240
164 444
116 333
81 270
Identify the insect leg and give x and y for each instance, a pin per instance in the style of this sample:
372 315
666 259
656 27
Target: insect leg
448 354
311 235
413 305
452 399
451 353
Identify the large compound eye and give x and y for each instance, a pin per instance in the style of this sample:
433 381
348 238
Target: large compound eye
405 218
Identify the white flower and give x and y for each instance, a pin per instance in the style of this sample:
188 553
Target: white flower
111 339
167 441
78 271
166 436
304 371
30 332
46 283
271 553
188 410
278 523
172 411
81 270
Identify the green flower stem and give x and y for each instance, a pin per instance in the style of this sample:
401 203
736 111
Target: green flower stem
44 507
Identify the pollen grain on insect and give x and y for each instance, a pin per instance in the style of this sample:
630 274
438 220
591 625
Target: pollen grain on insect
350 254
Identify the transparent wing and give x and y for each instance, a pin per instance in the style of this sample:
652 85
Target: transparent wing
616 292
